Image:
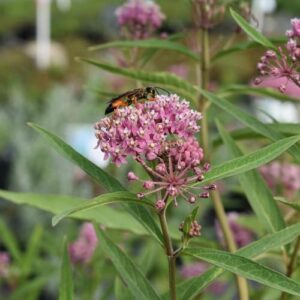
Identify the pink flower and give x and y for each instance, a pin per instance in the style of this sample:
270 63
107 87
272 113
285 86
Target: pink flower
282 177
140 18
283 64
4 264
242 235
82 250
163 132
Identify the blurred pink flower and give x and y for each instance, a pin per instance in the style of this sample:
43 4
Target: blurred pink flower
242 235
179 70
4 264
282 177
81 251
140 18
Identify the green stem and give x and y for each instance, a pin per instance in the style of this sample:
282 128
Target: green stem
169 253
291 265
218 205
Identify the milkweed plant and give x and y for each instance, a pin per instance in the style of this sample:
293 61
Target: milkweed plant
184 166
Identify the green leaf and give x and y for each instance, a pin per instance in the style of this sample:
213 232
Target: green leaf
33 248
295 204
110 217
100 176
237 89
138 285
99 201
149 43
103 178
250 30
121 291
287 129
9 240
250 121
191 287
246 268
257 192
250 161
167 80
66 282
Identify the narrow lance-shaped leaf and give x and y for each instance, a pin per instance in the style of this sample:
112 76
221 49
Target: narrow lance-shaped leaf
138 285
250 121
107 181
66 281
257 192
167 80
110 217
149 43
246 268
192 287
99 201
295 204
250 30
249 161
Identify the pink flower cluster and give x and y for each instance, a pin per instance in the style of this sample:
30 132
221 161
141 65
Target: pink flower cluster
143 130
282 177
81 251
285 62
161 132
4 264
140 18
242 235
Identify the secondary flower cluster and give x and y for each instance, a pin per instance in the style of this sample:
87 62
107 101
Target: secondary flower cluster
159 135
283 63
139 18
81 251
282 177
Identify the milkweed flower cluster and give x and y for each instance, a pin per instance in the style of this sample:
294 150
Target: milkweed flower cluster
282 177
139 18
283 63
160 132
81 251
242 235
4 264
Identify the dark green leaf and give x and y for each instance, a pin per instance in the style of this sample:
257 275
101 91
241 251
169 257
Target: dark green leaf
149 43
257 192
246 268
250 30
191 287
99 201
250 121
138 285
66 281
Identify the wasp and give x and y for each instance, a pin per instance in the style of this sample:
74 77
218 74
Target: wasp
148 93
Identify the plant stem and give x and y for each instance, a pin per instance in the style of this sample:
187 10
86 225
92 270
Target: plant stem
220 212
291 265
169 253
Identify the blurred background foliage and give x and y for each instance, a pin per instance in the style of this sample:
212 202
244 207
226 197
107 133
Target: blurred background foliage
63 96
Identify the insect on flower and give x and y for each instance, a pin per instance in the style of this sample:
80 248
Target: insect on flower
132 97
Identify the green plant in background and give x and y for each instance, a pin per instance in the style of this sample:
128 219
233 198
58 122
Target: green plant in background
163 137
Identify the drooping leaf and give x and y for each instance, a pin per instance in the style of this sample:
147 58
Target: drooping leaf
167 80
104 199
66 281
258 194
249 161
191 287
110 217
138 285
238 89
251 31
250 121
149 43
246 268
295 204
100 176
